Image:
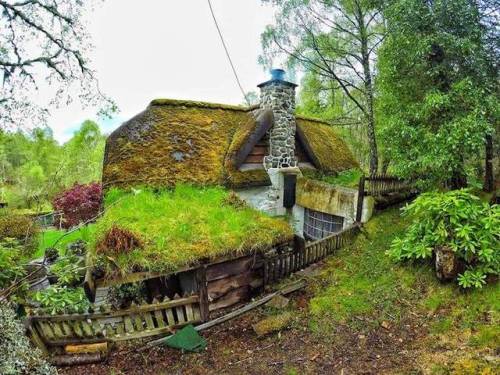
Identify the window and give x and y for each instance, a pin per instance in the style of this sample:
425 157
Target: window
318 225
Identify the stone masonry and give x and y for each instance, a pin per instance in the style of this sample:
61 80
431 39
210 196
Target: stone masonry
279 96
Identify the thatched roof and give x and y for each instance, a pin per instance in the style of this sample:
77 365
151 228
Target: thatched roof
204 143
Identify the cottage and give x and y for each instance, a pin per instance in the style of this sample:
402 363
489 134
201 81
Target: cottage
263 152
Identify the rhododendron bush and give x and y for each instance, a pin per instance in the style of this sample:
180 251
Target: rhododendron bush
79 204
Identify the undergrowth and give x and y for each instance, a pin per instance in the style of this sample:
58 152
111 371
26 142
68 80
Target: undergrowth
361 287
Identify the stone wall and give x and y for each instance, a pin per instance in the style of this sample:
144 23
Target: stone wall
279 96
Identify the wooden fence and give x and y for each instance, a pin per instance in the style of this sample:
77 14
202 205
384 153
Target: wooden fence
378 185
52 333
136 322
282 265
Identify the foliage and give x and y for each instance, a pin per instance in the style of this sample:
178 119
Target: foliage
79 204
45 43
59 299
459 220
19 227
179 227
68 270
34 167
438 89
17 356
10 261
349 178
334 43
121 296
360 287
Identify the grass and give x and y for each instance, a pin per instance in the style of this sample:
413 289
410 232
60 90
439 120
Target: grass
348 178
182 226
361 287
61 240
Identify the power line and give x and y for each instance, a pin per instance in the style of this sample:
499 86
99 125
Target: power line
227 52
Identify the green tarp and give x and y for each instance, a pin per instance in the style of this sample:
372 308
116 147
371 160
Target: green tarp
186 339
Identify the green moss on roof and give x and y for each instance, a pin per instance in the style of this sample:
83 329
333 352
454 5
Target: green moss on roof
198 104
330 151
182 227
179 141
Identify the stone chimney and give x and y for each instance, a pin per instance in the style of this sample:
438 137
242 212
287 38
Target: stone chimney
279 96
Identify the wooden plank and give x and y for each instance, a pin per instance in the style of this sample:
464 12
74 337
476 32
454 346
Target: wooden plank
58 332
220 287
87 348
87 329
189 313
170 317
229 268
36 338
201 278
120 329
138 323
148 318
129 327
109 330
77 328
68 331
159 318
230 298
181 314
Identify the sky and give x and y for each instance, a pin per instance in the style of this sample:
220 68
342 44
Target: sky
169 49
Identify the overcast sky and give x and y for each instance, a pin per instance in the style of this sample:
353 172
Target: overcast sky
169 49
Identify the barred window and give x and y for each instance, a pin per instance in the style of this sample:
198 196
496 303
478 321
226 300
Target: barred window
318 225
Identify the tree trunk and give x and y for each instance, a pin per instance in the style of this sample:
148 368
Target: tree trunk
489 180
370 116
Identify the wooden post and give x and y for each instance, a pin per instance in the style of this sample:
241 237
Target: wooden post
201 277
361 196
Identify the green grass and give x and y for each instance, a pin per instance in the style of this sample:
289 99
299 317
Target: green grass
349 178
50 237
361 287
181 227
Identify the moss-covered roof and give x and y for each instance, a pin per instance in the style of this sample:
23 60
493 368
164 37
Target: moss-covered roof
175 141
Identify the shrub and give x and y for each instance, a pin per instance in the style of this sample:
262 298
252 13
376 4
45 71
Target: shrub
60 299
10 256
16 354
79 204
122 296
460 221
68 269
19 227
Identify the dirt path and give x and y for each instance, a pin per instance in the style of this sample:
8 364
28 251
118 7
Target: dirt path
234 348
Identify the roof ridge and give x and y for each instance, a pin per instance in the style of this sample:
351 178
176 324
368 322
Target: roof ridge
200 104
315 119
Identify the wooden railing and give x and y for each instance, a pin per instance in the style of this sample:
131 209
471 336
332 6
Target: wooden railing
379 185
138 321
282 265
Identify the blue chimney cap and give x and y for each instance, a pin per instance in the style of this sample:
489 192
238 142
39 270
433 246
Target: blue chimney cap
277 75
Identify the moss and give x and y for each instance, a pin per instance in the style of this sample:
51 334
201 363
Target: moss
177 141
272 324
180 228
329 149
321 196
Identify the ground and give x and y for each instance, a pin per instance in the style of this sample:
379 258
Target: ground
360 314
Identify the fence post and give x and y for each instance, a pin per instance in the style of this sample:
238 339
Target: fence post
201 277
361 196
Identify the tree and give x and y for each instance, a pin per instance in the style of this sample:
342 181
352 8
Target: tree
336 41
437 97
44 43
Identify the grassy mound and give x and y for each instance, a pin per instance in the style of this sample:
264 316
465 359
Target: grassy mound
176 228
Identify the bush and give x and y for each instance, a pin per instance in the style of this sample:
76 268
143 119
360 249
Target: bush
16 354
19 227
62 300
457 220
122 296
69 270
10 259
79 204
